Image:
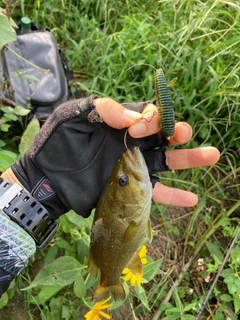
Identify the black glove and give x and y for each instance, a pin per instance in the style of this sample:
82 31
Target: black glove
72 157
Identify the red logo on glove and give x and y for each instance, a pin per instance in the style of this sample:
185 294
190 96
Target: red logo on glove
43 190
47 187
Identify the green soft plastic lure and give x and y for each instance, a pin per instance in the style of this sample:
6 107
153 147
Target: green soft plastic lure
164 104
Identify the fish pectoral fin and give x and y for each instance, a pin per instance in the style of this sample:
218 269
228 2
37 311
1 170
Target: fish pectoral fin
93 268
149 230
116 291
131 231
135 265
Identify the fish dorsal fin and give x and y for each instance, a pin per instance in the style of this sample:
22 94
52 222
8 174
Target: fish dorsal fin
135 264
149 230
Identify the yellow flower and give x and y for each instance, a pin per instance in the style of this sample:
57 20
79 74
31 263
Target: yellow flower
136 279
96 312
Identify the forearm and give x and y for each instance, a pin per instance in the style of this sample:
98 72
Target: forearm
10 176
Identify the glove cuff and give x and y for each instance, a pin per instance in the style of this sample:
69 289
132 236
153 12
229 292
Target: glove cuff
36 183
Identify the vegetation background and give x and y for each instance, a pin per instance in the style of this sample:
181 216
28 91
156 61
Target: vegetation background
114 47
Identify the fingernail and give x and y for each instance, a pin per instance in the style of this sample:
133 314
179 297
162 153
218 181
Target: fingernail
132 115
185 132
138 129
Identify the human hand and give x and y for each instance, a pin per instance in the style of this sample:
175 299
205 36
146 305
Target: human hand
118 117
72 157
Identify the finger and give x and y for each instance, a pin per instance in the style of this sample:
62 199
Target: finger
191 158
174 197
147 125
141 125
114 114
182 134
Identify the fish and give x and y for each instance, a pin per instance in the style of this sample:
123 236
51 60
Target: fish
121 222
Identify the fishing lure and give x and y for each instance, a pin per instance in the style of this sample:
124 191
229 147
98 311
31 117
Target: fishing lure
164 104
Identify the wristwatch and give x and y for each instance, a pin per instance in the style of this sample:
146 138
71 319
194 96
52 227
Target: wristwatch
21 207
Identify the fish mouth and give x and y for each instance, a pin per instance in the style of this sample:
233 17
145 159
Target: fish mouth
135 160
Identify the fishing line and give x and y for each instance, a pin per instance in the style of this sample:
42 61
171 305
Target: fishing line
125 139
136 65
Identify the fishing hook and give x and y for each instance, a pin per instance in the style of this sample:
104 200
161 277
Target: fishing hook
142 118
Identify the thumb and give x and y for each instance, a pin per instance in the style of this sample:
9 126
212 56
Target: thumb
114 114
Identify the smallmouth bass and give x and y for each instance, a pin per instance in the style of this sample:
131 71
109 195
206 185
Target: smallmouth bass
120 224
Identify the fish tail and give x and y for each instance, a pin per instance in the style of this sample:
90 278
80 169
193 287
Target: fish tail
116 291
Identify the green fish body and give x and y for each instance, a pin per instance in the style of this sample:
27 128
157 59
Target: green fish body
120 224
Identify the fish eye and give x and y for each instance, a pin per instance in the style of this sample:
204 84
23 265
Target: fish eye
123 180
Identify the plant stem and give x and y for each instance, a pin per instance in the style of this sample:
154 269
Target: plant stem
218 274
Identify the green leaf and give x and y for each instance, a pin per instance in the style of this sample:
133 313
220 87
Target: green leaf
236 305
79 286
229 279
51 254
189 306
21 111
56 308
60 272
226 298
7 32
78 220
232 288
7 110
2 143
227 272
175 310
4 300
46 292
214 250
237 282
10 116
219 315
5 127
62 243
6 159
151 269
28 135
141 294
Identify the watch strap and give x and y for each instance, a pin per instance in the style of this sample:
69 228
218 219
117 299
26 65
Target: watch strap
21 207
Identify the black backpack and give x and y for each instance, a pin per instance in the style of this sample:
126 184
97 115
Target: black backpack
34 73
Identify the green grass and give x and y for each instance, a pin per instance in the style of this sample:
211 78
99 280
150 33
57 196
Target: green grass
114 48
